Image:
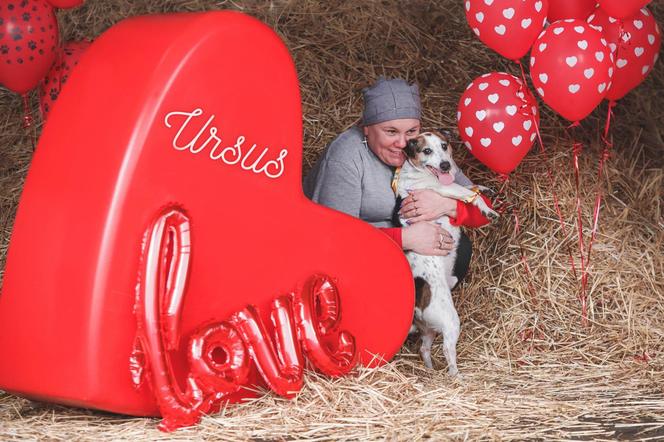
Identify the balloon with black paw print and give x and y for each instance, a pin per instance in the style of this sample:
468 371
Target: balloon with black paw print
28 43
55 80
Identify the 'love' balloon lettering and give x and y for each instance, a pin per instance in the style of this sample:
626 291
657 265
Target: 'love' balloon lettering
219 354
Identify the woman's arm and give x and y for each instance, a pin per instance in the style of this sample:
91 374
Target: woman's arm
339 186
428 205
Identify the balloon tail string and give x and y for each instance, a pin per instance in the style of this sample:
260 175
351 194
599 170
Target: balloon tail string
527 108
504 190
606 154
28 120
577 148
523 74
524 260
554 194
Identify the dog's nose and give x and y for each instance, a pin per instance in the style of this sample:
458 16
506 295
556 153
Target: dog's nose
445 166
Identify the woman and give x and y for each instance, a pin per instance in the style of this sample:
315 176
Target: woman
355 173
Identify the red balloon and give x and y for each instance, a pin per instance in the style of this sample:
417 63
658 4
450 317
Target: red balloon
497 118
162 278
28 43
622 8
571 68
50 86
219 353
65 4
281 370
332 351
563 9
509 27
182 110
635 43
218 359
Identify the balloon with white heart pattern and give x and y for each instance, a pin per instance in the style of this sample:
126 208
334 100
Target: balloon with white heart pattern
635 44
563 9
622 9
509 27
571 67
497 119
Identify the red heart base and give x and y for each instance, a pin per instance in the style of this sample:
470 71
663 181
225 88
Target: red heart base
202 111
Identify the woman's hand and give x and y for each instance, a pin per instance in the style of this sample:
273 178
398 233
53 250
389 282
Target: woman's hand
426 205
427 239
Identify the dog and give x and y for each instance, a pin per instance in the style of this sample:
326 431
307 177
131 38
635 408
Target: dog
429 165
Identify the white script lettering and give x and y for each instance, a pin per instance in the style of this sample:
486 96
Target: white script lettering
230 155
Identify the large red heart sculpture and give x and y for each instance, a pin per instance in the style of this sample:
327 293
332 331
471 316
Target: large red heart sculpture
202 111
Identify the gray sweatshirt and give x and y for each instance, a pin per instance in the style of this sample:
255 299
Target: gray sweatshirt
350 178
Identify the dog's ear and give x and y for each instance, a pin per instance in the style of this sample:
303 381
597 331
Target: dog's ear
411 148
444 134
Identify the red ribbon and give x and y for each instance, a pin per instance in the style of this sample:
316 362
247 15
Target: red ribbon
556 200
606 154
504 178
27 113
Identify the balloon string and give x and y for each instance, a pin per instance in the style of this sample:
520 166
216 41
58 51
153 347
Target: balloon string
606 154
577 148
524 261
28 120
526 107
624 37
505 180
556 200
27 114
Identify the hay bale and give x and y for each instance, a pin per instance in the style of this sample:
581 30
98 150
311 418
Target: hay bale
531 369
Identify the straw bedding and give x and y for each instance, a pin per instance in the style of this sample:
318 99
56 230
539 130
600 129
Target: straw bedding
530 368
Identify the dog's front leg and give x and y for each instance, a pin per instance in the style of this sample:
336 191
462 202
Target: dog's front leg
455 191
489 213
485 190
458 192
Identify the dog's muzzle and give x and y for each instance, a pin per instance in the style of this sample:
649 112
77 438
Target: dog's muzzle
445 166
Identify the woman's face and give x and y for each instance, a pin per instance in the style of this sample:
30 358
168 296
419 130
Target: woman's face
388 139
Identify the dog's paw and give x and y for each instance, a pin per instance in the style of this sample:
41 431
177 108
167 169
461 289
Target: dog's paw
491 215
487 191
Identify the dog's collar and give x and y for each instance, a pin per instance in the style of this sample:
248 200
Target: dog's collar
395 180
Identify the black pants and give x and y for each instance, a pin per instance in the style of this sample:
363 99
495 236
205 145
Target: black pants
464 253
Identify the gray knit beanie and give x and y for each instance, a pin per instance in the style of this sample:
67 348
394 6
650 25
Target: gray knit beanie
390 100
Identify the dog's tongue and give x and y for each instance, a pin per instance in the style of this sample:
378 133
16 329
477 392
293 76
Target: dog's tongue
445 178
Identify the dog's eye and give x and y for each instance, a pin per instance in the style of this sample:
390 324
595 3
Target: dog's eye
427 151
444 146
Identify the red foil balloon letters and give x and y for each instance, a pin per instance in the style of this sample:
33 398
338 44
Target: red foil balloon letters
219 353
